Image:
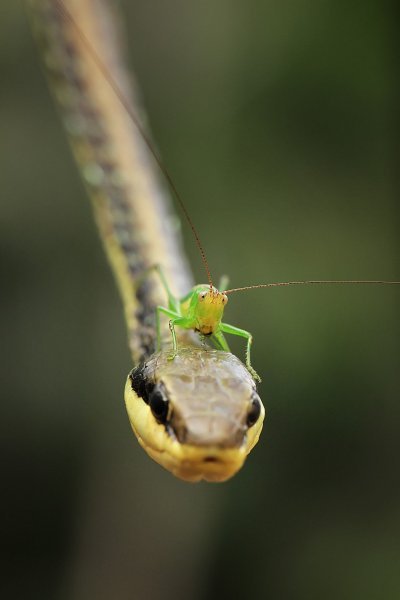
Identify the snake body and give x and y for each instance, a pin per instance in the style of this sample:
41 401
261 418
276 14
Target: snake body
211 399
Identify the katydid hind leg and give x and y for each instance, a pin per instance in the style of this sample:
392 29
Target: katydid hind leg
173 302
223 283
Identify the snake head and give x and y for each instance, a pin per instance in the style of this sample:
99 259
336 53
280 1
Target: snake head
198 416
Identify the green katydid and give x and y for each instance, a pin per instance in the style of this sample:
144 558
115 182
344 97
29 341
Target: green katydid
202 310
203 307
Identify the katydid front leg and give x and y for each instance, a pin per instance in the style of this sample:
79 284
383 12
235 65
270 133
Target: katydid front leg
175 319
219 341
172 311
246 334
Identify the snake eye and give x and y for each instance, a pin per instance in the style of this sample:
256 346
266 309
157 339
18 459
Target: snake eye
254 411
159 405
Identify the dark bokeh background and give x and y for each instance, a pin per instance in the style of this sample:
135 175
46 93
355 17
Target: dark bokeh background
278 123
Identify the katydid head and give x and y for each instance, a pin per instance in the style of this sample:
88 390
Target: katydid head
208 306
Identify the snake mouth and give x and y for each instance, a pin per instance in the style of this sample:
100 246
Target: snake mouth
194 464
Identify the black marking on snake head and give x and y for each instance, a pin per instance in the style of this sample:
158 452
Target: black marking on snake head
159 405
153 394
254 410
138 382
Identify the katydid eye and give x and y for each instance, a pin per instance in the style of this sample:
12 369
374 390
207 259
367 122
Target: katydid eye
159 405
224 299
254 411
202 295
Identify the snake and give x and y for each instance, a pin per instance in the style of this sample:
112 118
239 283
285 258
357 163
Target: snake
199 415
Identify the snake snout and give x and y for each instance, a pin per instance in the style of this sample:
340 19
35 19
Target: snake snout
207 429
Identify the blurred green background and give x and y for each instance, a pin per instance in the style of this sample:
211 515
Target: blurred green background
278 122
